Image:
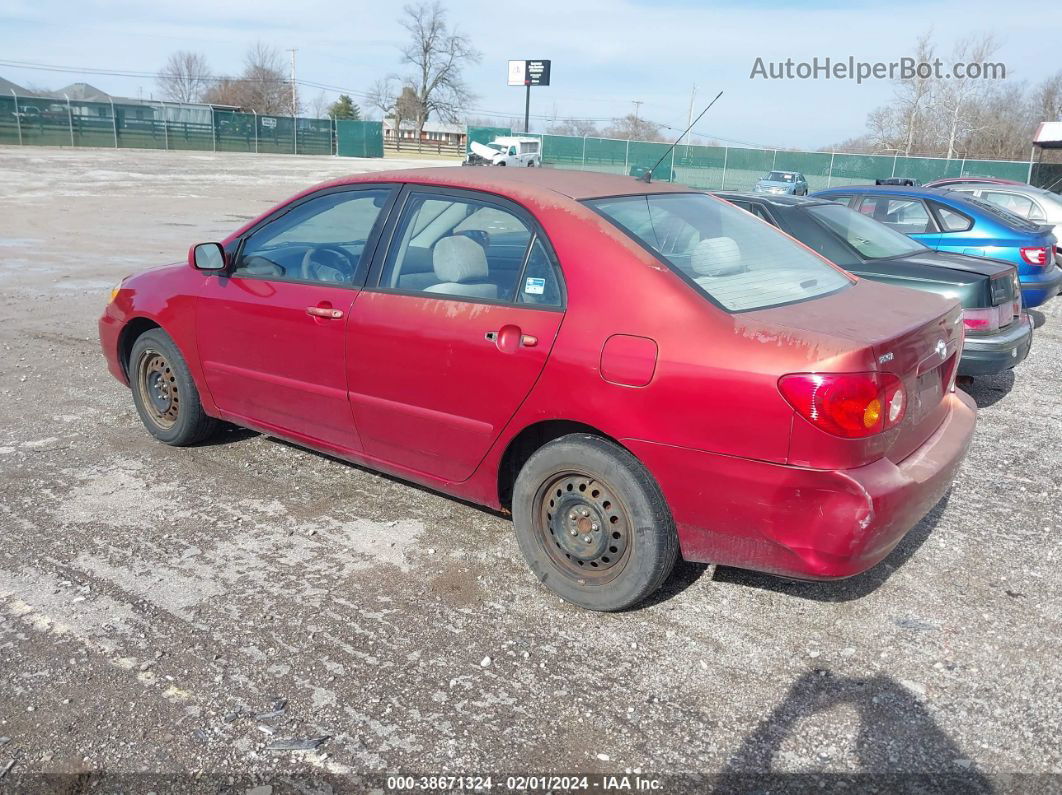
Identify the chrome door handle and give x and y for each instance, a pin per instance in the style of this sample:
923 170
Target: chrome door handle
321 311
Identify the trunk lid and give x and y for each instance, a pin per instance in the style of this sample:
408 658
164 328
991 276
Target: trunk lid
912 334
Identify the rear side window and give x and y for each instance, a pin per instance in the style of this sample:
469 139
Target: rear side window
736 261
952 220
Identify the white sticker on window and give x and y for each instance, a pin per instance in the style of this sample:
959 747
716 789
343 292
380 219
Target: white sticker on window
534 286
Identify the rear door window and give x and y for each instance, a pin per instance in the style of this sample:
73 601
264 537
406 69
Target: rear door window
910 216
462 247
734 260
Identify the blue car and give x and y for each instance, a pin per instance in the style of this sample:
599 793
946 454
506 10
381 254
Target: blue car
959 223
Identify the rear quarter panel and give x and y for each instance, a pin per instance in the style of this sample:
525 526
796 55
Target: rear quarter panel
714 386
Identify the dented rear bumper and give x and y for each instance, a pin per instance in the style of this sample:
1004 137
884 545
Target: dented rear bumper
804 523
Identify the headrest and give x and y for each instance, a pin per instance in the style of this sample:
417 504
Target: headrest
459 259
716 256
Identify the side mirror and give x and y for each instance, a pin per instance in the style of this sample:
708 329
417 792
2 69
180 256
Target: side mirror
207 257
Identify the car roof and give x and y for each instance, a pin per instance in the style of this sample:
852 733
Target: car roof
532 184
777 199
902 190
1002 186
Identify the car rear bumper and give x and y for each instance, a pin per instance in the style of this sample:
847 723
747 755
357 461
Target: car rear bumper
995 353
803 523
1036 291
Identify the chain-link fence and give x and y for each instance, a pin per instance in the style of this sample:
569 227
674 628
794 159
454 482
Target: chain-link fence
46 121
738 168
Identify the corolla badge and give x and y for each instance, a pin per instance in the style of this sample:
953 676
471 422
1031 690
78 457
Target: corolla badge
942 348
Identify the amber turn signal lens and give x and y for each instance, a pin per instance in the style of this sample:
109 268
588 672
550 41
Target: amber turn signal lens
872 413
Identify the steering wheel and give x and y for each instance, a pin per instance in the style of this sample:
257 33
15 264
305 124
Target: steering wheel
327 263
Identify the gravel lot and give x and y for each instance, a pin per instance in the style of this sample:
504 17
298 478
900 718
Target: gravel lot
173 612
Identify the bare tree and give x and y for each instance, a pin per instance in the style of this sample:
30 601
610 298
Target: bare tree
185 77
382 95
634 128
956 97
576 127
1047 99
438 57
915 93
320 105
262 87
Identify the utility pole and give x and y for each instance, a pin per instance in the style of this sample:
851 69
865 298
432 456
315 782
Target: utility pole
294 108
637 106
689 118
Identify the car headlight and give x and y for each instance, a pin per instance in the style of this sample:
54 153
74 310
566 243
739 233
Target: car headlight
114 292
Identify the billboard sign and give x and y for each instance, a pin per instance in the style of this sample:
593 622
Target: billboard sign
529 73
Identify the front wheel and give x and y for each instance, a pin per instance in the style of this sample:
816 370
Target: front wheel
165 395
592 524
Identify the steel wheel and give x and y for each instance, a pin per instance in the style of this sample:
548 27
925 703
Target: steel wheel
583 527
157 383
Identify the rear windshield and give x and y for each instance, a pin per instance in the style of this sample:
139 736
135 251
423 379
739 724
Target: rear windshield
871 239
1006 216
736 260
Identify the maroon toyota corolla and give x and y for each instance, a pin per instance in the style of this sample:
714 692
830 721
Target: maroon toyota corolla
636 371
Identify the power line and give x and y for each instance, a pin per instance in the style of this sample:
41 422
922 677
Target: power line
306 83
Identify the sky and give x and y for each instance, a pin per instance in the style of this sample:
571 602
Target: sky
606 54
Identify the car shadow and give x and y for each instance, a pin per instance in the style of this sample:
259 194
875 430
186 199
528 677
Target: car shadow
897 745
1038 317
391 478
841 590
228 434
987 390
685 574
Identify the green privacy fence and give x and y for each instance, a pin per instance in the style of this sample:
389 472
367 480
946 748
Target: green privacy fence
359 138
44 121
738 168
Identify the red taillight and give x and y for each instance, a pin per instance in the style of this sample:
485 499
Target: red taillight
852 405
1035 255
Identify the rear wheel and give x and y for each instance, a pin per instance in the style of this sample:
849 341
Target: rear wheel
164 393
592 523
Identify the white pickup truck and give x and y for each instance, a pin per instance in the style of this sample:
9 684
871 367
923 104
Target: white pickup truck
506 151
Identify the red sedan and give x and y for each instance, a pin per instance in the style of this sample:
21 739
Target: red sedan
635 371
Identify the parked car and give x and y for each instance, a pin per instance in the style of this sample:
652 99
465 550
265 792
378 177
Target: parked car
506 151
783 182
1036 204
998 332
947 182
634 370
896 181
950 221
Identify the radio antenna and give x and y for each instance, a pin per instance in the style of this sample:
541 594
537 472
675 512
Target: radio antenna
648 175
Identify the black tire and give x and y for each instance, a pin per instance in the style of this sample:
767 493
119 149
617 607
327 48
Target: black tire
165 395
584 498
